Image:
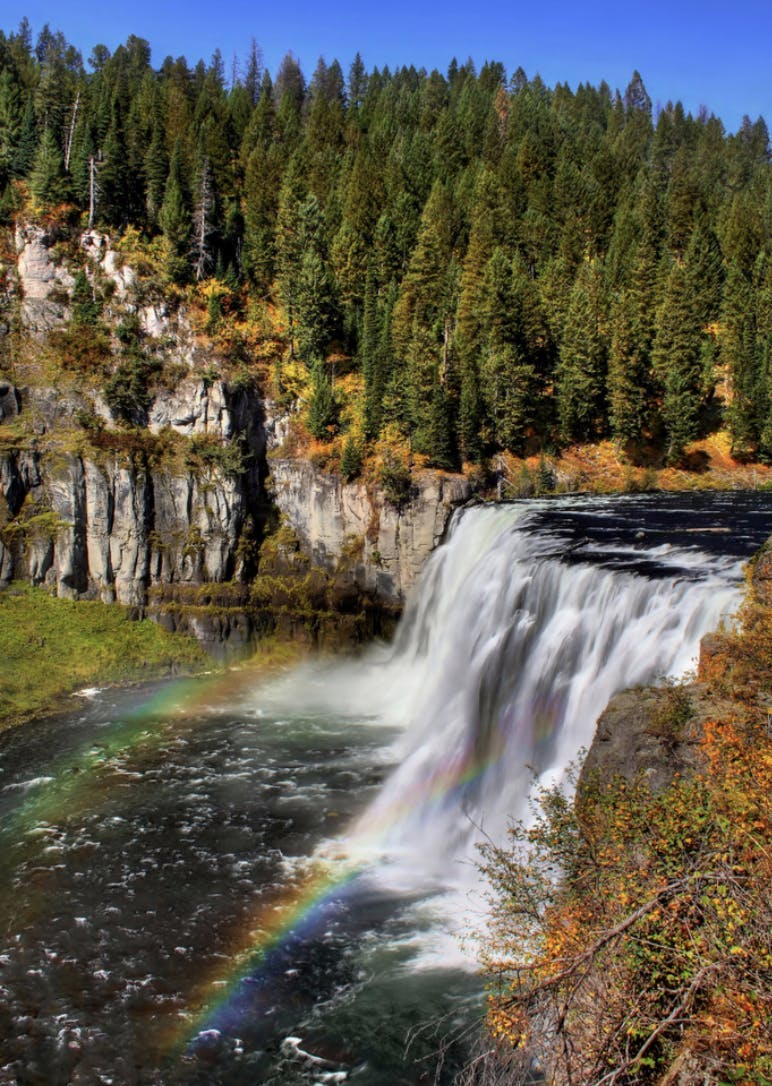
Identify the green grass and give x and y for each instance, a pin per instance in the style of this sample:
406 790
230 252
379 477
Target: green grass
51 647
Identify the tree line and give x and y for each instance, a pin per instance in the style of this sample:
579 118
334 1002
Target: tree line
507 265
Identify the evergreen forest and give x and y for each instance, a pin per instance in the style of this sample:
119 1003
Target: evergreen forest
466 262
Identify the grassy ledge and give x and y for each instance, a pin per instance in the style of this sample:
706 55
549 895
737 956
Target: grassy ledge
50 647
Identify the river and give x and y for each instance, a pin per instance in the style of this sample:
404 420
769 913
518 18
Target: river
225 881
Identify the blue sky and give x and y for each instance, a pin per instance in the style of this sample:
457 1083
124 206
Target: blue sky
716 53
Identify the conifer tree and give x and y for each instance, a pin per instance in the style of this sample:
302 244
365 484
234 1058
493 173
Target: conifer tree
627 373
368 351
677 361
743 356
583 357
174 219
85 307
351 459
322 408
46 181
439 446
289 240
357 84
26 146
254 74
470 413
156 171
10 125
114 178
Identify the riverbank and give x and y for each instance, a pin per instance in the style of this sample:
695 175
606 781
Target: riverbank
51 648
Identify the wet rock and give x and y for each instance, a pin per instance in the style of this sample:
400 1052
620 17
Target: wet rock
9 402
207 1045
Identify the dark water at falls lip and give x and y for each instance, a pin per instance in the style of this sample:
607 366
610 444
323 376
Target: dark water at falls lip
203 881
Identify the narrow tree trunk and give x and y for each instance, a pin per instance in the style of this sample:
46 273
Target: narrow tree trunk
71 133
93 190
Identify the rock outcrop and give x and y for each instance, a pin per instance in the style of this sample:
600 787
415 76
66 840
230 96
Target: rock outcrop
385 545
9 400
656 732
45 283
109 528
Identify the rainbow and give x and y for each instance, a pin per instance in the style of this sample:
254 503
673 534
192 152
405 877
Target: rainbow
72 783
302 908
78 779
297 913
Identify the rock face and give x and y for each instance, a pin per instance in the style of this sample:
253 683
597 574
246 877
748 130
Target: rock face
118 526
109 529
195 406
639 733
9 401
385 545
45 285
150 516
98 249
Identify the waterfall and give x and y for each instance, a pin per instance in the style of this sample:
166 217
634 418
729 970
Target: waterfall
505 658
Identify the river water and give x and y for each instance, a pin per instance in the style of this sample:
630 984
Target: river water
221 880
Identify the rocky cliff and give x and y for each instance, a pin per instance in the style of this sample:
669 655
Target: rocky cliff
385 545
147 504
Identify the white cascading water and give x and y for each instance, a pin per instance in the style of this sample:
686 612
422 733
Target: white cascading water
503 662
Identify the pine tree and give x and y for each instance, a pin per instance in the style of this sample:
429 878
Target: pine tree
86 308
314 305
357 84
10 124
26 146
677 362
705 272
351 459
439 446
174 219
470 413
254 73
322 408
509 381
627 373
156 171
289 240
741 353
482 239
420 294
581 373
368 350
46 180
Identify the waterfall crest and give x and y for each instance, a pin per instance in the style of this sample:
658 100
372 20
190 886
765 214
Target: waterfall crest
506 657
